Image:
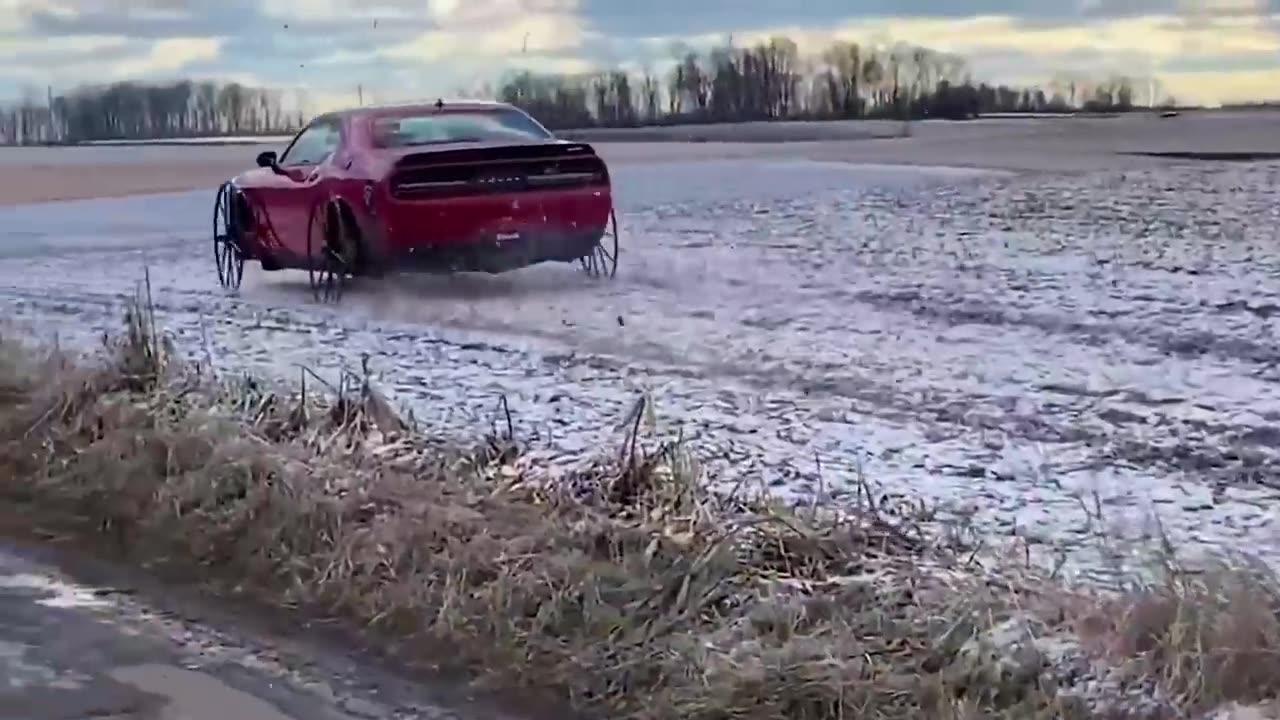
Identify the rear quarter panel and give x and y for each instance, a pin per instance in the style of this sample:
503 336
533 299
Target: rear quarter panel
355 179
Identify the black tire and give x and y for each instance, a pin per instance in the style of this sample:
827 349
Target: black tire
601 259
228 236
331 249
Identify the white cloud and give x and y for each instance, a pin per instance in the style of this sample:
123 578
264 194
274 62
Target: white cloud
335 10
80 59
1211 87
11 20
443 9
530 34
27 63
495 29
470 42
1161 37
168 56
13 51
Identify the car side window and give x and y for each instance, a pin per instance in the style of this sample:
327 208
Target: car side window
312 145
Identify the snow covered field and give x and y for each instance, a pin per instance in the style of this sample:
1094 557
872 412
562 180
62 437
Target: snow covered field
1026 349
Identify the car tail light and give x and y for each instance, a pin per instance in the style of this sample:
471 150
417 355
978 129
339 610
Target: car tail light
498 177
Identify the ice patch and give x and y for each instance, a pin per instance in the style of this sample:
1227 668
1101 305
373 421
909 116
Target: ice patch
58 593
18 670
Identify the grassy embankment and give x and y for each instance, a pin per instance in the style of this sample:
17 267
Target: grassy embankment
624 588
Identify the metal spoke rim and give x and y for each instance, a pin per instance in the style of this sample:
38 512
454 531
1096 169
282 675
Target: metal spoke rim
227 254
599 261
328 276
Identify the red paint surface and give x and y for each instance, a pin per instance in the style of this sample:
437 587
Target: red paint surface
285 203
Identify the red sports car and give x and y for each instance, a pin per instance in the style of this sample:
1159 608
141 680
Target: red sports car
443 187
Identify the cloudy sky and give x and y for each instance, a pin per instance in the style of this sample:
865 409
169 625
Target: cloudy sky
1202 50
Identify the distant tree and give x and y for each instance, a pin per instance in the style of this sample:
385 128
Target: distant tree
132 111
770 80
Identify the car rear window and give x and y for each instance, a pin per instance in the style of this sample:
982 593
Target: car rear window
434 128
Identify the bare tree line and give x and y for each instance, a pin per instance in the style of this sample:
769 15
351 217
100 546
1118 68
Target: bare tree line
771 80
138 111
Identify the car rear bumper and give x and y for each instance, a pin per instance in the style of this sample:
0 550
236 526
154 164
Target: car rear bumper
437 223
497 253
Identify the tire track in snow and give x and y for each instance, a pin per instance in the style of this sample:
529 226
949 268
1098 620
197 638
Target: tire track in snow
922 335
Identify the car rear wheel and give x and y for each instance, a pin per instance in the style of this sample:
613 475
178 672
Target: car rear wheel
602 258
332 248
228 236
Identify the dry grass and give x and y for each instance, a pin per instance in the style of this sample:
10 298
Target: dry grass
1201 639
623 586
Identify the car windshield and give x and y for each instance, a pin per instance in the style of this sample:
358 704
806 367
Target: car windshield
438 128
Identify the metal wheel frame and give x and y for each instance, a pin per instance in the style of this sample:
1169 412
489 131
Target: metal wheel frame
600 261
228 245
327 278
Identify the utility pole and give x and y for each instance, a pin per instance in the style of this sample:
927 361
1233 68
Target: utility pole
360 94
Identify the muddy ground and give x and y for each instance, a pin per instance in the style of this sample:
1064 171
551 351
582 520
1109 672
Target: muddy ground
1052 339
82 638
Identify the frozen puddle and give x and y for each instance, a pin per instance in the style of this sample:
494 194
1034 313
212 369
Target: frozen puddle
1059 359
195 696
54 593
67 653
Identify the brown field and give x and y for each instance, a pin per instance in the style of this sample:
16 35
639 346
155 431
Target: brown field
1041 144
45 183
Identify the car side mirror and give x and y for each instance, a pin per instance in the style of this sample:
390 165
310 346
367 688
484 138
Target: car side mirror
268 159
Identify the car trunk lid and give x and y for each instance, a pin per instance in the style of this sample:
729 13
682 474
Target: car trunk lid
496 169
499 192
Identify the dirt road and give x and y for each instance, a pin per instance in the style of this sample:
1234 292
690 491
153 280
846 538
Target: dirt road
104 643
